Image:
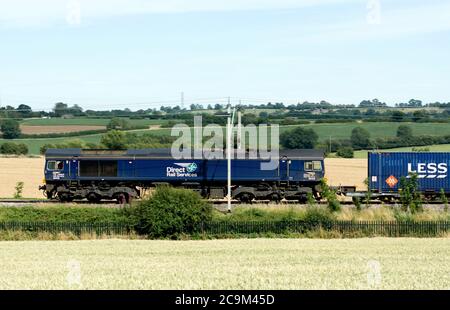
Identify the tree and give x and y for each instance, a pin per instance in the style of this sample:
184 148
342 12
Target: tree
118 123
114 140
299 138
414 103
404 132
60 109
10 129
419 115
24 110
360 138
397 116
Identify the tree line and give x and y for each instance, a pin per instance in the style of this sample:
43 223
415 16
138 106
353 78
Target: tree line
360 139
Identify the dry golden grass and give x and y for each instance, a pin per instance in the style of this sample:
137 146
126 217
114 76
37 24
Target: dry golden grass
21 169
396 263
342 171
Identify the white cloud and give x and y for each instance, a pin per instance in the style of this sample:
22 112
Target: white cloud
33 12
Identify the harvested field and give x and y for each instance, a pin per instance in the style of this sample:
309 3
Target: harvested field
375 263
36 130
340 171
21 169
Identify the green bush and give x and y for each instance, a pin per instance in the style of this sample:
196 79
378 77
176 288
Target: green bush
444 199
10 129
317 215
330 195
345 152
170 212
12 148
410 194
19 190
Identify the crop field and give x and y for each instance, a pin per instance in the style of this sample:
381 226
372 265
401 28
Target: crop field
376 263
324 131
27 170
377 130
84 122
37 130
432 148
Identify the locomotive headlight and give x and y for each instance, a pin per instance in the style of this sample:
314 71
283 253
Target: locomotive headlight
44 181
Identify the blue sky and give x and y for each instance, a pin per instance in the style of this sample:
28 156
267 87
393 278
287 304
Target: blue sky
140 54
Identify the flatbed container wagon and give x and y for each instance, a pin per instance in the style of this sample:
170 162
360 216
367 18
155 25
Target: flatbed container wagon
385 170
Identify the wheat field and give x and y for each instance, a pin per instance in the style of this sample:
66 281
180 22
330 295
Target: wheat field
377 263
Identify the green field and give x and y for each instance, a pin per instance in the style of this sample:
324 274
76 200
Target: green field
86 121
324 131
377 130
366 263
432 148
35 144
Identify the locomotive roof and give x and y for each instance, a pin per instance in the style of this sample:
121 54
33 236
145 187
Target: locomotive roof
165 153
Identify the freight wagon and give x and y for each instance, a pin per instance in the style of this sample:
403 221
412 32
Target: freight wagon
107 174
385 170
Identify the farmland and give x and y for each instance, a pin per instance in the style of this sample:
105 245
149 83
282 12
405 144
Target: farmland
376 263
83 122
38 130
431 148
324 131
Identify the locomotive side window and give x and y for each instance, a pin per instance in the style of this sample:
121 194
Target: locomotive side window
313 166
55 165
98 168
88 168
108 168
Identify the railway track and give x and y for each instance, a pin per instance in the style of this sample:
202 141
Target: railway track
214 202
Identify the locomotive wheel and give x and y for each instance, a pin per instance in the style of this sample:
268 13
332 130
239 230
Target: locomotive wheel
65 197
275 197
121 199
128 199
93 198
246 198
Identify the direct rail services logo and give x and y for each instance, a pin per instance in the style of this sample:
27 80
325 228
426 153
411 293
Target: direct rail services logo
183 170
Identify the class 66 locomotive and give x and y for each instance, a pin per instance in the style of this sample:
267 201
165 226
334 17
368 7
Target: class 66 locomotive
123 175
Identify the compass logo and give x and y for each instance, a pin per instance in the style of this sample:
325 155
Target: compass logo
191 167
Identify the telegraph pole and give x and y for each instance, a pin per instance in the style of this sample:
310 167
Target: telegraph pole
230 120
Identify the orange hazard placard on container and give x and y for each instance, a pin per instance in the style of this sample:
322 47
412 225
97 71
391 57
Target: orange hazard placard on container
391 181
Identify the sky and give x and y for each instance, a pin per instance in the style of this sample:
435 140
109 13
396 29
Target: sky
139 54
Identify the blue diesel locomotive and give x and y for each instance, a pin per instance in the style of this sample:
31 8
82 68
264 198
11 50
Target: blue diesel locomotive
122 175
